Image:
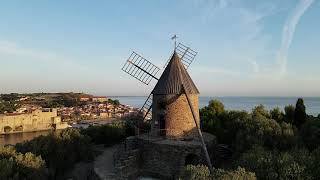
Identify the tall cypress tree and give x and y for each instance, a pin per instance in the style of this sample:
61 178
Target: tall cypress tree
300 115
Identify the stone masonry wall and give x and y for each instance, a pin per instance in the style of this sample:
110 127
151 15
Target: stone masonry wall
127 164
158 157
37 120
127 159
167 161
177 114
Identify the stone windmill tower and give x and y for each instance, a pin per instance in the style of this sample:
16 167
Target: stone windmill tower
171 115
175 135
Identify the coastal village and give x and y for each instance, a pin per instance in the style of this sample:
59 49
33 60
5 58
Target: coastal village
55 111
97 107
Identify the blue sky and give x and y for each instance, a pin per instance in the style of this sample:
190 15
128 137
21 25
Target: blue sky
246 47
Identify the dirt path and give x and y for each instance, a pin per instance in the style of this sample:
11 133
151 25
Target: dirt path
103 164
104 167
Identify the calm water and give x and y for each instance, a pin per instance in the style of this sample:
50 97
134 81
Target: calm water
240 103
20 137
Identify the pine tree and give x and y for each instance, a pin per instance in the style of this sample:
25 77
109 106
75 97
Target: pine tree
300 115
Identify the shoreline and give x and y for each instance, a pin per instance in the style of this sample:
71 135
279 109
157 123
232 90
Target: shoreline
31 131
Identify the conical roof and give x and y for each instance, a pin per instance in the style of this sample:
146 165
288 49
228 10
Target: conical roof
173 77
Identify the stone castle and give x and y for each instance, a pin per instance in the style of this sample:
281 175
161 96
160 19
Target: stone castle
36 120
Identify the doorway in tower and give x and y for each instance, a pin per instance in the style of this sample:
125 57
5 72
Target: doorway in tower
162 121
191 159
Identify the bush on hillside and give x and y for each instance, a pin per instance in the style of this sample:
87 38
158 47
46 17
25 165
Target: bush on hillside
289 113
239 174
267 142
198 172
314 168
14 165
310 133
134 123
105 134
201 172
241 130
60 150
277 114
273 164
260 111
223 124
259 130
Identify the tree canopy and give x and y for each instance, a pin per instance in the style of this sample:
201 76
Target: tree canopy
300 115
272 144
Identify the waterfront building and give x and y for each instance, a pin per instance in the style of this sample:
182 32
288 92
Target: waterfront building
104 115
99 99
37 120
84 99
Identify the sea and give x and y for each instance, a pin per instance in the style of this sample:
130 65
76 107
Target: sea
239 103
231 103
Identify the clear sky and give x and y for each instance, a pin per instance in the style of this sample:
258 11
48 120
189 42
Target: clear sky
246 47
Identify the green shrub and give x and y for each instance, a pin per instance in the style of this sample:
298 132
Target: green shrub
14 165
223 124
260 130
105 134
238 174
198 172
314 167
6 168
210 117
259 161
241 130
277 114
201 172
268 143
260 110
135 123
271 165
310 133
289 113
60 150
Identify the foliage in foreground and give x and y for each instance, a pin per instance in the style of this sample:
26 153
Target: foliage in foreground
273 164
60 150
105 134
201 172
15 165
273 144
111 134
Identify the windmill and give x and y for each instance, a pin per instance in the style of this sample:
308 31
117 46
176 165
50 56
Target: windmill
144 71
173 102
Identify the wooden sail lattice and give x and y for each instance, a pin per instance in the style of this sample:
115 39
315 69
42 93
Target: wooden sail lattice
146 109
144 71
140 68
186 54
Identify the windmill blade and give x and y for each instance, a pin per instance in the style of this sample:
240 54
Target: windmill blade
186 54
146 109
140 68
